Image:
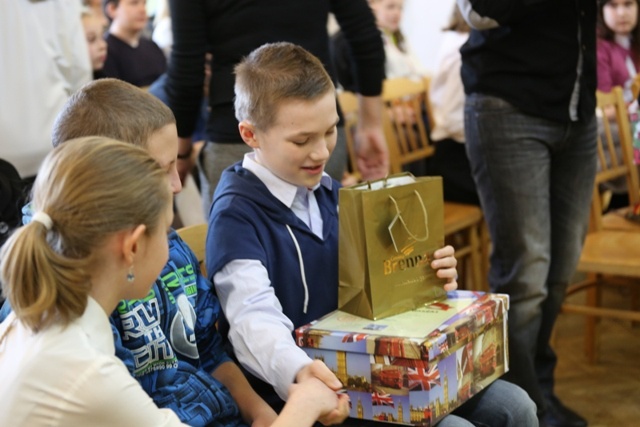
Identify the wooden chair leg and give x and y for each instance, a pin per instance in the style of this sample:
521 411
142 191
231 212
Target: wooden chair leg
485 245
635 303
590 338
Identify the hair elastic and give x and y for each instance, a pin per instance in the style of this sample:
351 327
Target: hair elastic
44 219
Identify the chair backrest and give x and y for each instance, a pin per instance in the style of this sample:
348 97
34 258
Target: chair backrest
427 102
195 236
635 86
349 105
406 103
615 152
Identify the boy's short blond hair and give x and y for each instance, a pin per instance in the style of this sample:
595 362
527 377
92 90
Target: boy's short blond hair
274 73
111 108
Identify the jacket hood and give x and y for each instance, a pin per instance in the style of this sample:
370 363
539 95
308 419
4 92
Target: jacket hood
241 182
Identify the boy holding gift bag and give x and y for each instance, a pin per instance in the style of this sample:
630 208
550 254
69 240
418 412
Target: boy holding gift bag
272 247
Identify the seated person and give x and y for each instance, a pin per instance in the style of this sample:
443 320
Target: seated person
168 339
131 56
93 30
618 53
65 271
273 230
618 45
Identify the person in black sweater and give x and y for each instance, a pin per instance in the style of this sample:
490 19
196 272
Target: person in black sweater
131 56
230 29
529 71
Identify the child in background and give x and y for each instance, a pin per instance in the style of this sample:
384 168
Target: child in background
96 7
400 61
272 247
618 45
618 52
168 339
93 30
65 271
131 57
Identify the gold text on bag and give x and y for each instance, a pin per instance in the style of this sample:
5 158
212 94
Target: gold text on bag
389 230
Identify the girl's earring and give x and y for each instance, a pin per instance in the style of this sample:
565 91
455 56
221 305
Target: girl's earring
130 276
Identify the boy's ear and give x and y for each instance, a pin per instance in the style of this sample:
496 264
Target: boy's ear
110 9
248 134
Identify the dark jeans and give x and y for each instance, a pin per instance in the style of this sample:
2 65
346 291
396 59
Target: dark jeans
535 180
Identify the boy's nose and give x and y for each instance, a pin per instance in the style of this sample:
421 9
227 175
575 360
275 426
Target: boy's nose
321 151
174 181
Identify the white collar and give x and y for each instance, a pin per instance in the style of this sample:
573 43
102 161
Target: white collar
279 188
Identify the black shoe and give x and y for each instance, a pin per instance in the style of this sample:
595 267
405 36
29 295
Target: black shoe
558 415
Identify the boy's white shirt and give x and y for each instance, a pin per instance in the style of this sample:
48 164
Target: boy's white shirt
260 332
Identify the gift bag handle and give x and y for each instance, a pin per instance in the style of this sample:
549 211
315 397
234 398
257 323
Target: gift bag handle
404 224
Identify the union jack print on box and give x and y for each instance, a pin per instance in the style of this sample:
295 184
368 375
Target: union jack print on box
414 368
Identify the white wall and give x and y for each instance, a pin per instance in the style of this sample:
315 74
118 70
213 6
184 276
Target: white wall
422 23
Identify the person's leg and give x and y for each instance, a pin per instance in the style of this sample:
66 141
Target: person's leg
337 164
501 404
453 421
213 159
511 164
573 169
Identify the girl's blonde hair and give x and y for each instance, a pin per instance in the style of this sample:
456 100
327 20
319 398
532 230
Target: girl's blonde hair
90 188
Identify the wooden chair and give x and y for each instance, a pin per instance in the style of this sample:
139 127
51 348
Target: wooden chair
609 256
635 86
195 236
613 160
349 105
406 103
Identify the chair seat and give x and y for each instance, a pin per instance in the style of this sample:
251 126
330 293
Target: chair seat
616 221
195 236
458 216
611 252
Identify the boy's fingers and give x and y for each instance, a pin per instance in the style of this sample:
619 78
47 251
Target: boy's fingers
324 374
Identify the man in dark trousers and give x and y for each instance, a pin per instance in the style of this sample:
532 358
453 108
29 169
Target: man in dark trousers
529 71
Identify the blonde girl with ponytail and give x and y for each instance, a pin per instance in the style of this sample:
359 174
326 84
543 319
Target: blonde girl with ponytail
99 235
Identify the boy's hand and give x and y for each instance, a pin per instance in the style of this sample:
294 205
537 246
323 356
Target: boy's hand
445 265
185 162
314 398
320 371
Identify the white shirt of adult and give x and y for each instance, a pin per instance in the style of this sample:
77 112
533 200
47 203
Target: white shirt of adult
446 91
43 59
258 329
71 377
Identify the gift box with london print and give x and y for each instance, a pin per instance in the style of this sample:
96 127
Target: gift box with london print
416 367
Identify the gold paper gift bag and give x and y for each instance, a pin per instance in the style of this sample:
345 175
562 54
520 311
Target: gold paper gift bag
389 230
